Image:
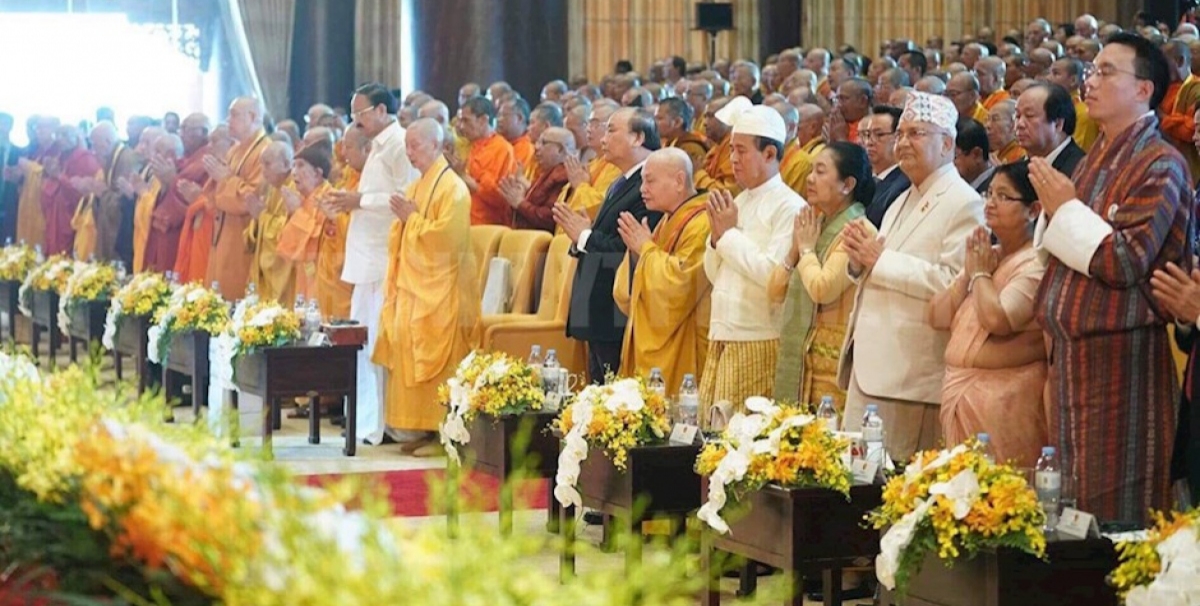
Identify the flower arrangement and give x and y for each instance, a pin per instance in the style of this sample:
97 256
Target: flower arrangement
264 324
615 417
494 384
143 295
191 307
51 275
88 282
16 262
773 444
1164 568
953 502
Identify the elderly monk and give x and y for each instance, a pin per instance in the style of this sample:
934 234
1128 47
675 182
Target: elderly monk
316 135
512 123
107 204
302 239
237 175
576 121
292 130
545 115
167 218
164 152
131 187
31 223
1002 132
588 184
796 163
674 120
430 318
441 114
490 161
194 188
533 205
661 285
717 172
272 270
61 195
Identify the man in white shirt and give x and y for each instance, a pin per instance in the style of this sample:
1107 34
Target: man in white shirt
387 171
892 356
750 236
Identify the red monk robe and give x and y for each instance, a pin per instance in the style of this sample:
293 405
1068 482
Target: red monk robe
60 199
170 212
195 235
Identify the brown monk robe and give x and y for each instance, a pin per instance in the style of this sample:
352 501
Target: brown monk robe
239 174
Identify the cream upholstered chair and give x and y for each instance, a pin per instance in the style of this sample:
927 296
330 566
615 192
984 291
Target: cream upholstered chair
524 250
516 334
485 241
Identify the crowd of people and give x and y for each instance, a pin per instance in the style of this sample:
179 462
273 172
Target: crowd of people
987 236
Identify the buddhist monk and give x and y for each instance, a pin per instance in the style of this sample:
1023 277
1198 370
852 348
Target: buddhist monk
589 183
60 197
167 218
31 223
193 187
130 187
796 163
166 150
306 228
333 294
441 114
430 318
237 175
491 160
271 271
533 204
106 206
674 120
661 285
512 123
545 115
717 172
576 121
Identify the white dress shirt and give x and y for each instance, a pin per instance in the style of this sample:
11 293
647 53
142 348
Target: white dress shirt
386 171
743 259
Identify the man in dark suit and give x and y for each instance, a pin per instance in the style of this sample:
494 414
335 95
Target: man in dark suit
972 156
594 317
1045 124
877 134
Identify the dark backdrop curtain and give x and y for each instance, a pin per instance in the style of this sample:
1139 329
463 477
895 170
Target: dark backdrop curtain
322 69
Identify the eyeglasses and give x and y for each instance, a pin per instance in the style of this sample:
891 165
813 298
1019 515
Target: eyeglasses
999 197
867 136
1108 70
354 115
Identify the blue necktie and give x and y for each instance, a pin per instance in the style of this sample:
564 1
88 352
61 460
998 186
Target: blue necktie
615 186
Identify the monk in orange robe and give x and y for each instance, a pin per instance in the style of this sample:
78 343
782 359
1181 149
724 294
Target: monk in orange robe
239 174
512 123
61 188
192 186
717 171
307 229
491 160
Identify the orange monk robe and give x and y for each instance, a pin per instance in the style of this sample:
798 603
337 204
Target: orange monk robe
667 299
229 260
272 271
979 114
1086 129
994 98
852 130
1010 153
717 172
333 295
1179 123
143 219
491 160
84 224
698 127
695 146
303 243
524 152
165 225
60 199
430 317
590 196
31 223
795 167
195 236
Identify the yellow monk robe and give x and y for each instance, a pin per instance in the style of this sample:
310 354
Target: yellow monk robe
668 298
430 317
717 172
1179 124
1086 130
84 224
695 146
994 98
229 260
795 167
980 114
31 223
302 244
1010 153
272 273
698 127
143 222
525 153
590 196
333 295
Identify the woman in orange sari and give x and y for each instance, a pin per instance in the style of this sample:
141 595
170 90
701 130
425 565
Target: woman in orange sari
996 357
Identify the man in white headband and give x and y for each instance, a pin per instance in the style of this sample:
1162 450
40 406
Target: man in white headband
892 356
750 236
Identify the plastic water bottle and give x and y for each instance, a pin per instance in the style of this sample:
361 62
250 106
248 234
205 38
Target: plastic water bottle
550 375
872 433
656 383
827 413
172 279
689 401
985 447
536 363
216 287
251 294
121 273
312 317
1048 478
38 254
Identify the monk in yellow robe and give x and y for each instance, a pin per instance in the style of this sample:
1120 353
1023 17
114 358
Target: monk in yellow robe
304 236
667 299
796 163
430 317
674 119
333 294
272 270
239 174
31 222
456 144
586 186
1178 123
717 172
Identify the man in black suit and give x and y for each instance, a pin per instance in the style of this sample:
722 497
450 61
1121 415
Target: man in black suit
1178 291
972 155
593 316
1045 124
877 134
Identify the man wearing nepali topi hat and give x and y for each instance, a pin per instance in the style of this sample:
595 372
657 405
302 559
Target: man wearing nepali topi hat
892 356
751 235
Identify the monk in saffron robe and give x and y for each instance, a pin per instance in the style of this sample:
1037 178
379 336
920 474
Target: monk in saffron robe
239 174
1124 214
165 152
796 163
674 120
60 190
490 161
661 285
512 123
533 205
167 216
430 317
272 271
193 188
121 165
305 230
717 172
1178 122
31 223
333 294
588 185
546 115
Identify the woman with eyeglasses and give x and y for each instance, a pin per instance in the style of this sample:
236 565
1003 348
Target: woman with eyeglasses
996 357
812 282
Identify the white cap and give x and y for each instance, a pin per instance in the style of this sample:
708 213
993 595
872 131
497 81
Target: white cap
934 109
749 119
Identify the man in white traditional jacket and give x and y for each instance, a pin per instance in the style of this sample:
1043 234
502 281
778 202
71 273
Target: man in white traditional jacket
750 236
387 171
891 355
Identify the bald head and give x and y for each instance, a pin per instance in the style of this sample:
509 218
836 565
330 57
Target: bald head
150 135
435 110
104 139
554 90
169 147
316 112
277 162
245 118
317 134
667 180
932 85
790 115
356 146
194 131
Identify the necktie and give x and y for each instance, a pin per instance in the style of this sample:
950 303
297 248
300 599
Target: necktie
616 186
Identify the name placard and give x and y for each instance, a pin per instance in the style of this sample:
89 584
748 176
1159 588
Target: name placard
1077 524
683 434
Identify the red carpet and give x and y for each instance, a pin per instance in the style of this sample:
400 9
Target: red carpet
409 491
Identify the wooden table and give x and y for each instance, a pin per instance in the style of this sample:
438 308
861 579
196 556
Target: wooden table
133 341
659 480
45 318
494 450
1073 575
274 373
9 304
806 531
188 355
87 324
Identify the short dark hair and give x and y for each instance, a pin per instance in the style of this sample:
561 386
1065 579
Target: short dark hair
378 94
678 108
1149 63
1018 173
888 110
549 112
1058 105
522 107
762 143
481 106
623 66
971 135
642 123
917 59
679 64
1011 40
851 160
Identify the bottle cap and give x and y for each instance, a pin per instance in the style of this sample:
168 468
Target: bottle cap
872 408
537 348
689 376
1048 450
656 371
826 398
983 437
551 352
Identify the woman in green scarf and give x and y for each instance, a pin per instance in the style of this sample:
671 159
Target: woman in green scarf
812 282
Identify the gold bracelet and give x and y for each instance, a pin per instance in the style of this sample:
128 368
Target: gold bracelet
975 276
